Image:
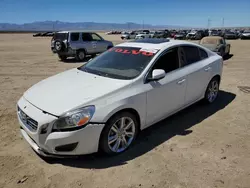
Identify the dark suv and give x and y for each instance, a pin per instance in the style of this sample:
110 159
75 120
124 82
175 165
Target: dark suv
78 44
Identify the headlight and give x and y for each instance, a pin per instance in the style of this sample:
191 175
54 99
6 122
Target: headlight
75 119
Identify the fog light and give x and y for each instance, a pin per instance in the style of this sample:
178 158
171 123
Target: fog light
44 129
67 147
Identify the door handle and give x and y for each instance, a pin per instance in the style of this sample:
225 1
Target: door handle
207 69
181 81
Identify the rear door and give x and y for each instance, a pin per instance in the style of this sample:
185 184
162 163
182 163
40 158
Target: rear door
199 69
74 40
87 43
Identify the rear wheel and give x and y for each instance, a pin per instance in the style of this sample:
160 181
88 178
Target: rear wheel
212 90
119 133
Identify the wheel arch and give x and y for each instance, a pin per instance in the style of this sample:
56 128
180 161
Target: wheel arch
131 110
128 109
217 76
82 49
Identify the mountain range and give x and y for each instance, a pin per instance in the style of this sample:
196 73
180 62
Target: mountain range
58 25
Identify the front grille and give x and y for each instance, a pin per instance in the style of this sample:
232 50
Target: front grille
30 123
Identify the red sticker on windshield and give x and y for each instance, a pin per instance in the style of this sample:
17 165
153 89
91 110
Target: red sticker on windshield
145 52
118 50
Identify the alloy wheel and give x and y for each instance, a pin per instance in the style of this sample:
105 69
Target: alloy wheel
121 134
213 90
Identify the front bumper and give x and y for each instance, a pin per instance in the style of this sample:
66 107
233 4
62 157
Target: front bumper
245 37
46 144
67 52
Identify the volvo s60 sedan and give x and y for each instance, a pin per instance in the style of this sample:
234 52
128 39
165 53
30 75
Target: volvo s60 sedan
103 104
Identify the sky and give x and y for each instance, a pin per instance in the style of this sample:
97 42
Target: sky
193 13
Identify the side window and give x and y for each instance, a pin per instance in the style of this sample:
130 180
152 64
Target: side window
168 61
95 37
86 37
192 54
203 54
74 36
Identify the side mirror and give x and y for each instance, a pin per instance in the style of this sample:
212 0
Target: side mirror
157 74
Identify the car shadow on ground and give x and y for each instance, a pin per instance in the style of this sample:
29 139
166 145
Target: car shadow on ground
74 60
152 137
228 57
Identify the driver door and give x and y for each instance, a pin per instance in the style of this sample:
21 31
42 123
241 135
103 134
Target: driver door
167 95
99 43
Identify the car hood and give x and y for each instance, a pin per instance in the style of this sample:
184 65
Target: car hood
179 35
211 47
71 89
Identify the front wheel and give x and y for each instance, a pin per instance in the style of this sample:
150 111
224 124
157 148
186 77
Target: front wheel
212 91
119 133
80 55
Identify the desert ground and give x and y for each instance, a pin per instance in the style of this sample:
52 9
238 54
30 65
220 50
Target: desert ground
200 147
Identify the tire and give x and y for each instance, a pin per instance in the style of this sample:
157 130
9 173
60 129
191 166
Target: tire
80 55
108 132
93 55
221 52
211 90
59 46
228 53
62 57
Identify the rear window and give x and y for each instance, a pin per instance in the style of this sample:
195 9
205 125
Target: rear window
120 62
192 54
209 40
60 36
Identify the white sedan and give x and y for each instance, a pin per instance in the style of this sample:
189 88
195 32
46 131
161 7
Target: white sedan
104 104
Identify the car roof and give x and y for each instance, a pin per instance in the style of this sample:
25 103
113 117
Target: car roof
75 31
154 43
214 37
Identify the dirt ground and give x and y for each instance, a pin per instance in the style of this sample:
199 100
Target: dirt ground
200 147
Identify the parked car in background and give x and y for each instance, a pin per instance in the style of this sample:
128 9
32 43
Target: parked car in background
172 33
129 35
152 34
216 44
47 34
214 33
142 35
37 35
78 44
230 35
104 104
245 34
181 35
194 35
158 34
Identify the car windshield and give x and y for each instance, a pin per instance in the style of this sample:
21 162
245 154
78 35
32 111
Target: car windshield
60 36
120 62
229 32
209 41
